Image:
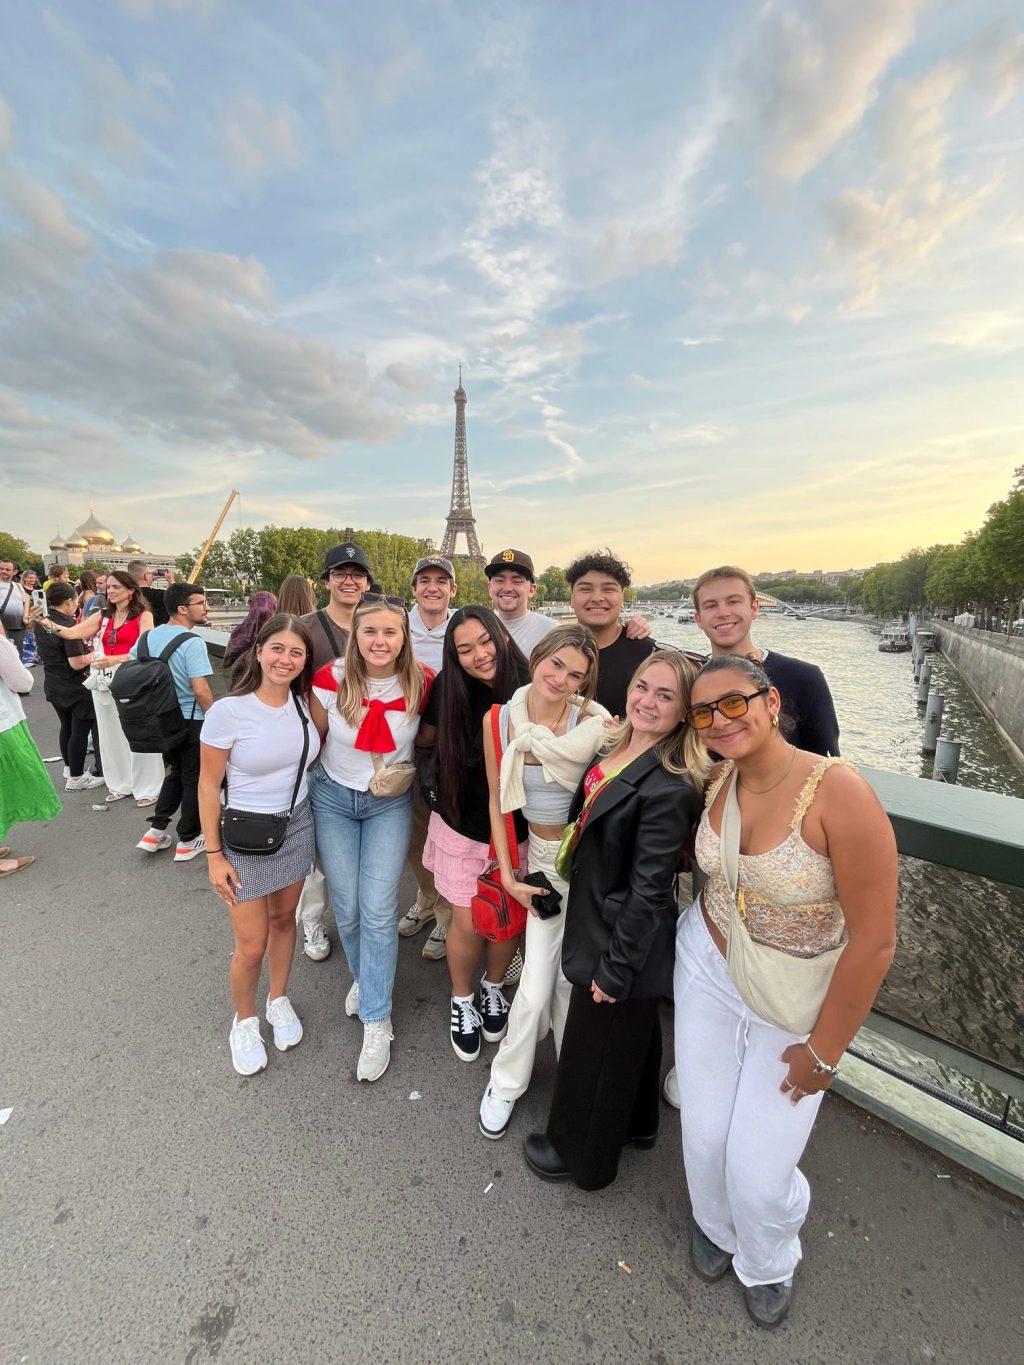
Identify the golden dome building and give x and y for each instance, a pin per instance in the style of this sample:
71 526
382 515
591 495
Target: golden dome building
94 543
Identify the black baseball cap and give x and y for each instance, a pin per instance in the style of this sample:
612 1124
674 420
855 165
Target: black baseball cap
349 553
518 560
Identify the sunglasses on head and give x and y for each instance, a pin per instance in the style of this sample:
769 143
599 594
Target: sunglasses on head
732 706
378 597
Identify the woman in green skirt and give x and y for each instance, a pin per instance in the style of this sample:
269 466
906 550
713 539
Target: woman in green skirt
26 792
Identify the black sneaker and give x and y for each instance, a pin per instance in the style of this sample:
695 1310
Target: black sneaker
465 1030
494 1010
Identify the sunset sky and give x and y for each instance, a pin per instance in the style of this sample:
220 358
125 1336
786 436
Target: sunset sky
729 281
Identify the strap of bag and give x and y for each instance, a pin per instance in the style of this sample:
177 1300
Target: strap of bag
10 589
729 839
510 824
325 621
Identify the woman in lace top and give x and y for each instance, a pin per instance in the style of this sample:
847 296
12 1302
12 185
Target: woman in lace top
815 884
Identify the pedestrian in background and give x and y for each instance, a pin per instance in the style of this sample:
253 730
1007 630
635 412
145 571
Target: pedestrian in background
295 596
26 792
65 670
241 640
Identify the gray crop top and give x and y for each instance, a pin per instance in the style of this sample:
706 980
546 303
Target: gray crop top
547 803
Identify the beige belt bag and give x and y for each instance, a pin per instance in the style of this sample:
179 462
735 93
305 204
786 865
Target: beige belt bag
783 990
390 779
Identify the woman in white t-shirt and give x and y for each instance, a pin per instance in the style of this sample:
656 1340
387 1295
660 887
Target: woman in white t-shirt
261 741
367 705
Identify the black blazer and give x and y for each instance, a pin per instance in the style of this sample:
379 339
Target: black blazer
620 921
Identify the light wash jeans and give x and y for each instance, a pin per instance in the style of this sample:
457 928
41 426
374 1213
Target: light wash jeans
362 841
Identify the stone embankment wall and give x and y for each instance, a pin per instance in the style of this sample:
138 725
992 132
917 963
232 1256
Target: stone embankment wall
992 666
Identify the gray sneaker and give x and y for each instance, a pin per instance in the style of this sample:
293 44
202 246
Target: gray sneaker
709 1261
435 947
375 1057
316 945
415 919
768 1304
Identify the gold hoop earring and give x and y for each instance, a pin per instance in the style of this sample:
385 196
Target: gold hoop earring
775 720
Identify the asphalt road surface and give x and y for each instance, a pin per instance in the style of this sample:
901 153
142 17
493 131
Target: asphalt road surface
156 1206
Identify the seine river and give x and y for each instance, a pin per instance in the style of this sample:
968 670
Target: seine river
960 960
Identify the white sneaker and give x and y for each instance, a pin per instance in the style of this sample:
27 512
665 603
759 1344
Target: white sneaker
315 943
352 1000
285 1023
414 920
248 1055
375 1056
495 1114
192 848
435 947
671 1089
83 784
154 840
67 772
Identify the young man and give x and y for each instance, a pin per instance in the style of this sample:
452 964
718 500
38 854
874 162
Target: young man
156 597
347 575
13 609
725 607
190 668
433 587
511 583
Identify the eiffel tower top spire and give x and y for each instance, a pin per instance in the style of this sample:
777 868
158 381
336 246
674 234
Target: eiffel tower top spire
460 520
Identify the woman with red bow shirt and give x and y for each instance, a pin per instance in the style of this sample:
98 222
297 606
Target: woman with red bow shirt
367 707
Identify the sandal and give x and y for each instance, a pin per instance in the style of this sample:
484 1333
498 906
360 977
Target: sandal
19 863
145 801
116 796
4 850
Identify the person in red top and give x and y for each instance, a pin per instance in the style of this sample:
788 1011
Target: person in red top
116 628
367 708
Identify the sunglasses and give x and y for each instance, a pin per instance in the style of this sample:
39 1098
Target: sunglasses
732 706
374 597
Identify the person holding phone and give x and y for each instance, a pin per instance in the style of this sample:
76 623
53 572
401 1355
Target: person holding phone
65 669
548 732
633 812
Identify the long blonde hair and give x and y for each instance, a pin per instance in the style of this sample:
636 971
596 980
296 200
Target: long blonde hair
680 752
353 686
570 637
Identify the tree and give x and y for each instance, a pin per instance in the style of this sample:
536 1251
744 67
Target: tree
472 585
554 585
15 549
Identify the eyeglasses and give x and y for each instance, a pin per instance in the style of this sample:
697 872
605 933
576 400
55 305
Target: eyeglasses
341 574
732 706
368 598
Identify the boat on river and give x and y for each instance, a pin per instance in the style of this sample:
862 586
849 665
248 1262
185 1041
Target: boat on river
895 640
926 641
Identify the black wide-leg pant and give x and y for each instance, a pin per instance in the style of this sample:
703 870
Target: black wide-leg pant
607 1090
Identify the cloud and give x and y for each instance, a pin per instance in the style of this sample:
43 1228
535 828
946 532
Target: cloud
813 72
5 126
149 9
40 259
912 124
259 141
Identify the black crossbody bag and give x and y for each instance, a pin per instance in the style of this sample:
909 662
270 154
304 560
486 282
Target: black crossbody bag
253 833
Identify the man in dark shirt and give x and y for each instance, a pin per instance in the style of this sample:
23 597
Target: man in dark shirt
347 575
144 575
725 603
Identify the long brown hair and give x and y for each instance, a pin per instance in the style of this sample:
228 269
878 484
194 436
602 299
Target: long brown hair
681 751
137 604
353 686
295 596
570 637
249 674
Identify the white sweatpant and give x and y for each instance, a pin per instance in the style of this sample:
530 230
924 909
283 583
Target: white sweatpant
742 1138
138 775
542 996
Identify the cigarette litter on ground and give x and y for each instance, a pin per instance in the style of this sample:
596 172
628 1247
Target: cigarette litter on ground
489 1188
55 759
415 1095
627 1268
101 807
939 1176
5 1114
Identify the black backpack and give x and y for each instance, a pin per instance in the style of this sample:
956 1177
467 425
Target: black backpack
147 703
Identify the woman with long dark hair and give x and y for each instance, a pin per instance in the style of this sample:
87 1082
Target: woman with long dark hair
481 666
117 628
261 739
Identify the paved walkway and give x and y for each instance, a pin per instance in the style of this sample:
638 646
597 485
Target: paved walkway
155 1206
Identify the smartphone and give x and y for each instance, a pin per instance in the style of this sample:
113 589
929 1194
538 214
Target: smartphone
39 600
546 906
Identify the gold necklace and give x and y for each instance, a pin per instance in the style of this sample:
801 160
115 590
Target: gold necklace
552 728
760 791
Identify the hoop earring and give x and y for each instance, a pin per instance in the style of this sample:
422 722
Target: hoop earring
775 720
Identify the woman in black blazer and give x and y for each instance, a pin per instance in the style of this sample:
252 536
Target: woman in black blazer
637 807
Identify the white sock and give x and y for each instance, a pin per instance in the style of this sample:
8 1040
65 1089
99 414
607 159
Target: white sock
490 985
462 999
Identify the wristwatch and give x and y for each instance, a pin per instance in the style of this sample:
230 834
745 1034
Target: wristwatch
821 1068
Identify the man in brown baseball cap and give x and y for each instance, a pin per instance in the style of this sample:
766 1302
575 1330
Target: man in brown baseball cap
511 582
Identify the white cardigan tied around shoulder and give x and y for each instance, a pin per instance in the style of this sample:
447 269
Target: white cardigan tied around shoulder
561 757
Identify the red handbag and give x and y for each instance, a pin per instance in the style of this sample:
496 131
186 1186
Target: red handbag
497 916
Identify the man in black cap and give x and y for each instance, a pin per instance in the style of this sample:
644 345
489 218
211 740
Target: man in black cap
347 575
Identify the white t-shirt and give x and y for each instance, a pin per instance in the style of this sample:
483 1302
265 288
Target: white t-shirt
265 744
428 641
14 611
14 679
529 630
341 760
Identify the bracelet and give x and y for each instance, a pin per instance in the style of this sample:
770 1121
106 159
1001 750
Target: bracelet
821 1068
210 851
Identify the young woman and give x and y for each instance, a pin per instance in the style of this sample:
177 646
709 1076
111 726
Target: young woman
549 732
260 737
296 595
241 640
26 792
65 669
635 810
480 667
117 627
367 705
29 649
801 847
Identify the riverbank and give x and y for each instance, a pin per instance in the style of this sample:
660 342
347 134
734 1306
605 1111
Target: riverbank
992 667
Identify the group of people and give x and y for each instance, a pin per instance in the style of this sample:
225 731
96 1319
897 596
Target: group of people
584 766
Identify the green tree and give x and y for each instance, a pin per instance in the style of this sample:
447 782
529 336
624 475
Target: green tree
472 585
15 549
554 585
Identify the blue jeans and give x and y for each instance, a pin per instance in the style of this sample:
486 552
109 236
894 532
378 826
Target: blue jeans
362 841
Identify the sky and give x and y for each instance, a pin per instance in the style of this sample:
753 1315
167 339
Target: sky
729 281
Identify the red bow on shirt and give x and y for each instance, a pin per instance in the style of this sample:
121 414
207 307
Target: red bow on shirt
374 736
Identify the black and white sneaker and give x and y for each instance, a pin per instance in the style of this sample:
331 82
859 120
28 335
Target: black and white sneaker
466 1023
494 1010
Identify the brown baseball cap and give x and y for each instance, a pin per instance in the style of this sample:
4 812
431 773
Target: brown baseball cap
517 560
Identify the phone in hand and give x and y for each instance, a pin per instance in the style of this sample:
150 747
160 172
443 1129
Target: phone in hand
546 906
39 601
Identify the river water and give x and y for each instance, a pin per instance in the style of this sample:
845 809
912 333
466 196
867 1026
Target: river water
960 960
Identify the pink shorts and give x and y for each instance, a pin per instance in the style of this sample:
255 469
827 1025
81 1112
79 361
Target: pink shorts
456 861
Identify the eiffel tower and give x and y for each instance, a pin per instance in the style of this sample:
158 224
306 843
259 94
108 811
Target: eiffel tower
461 520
